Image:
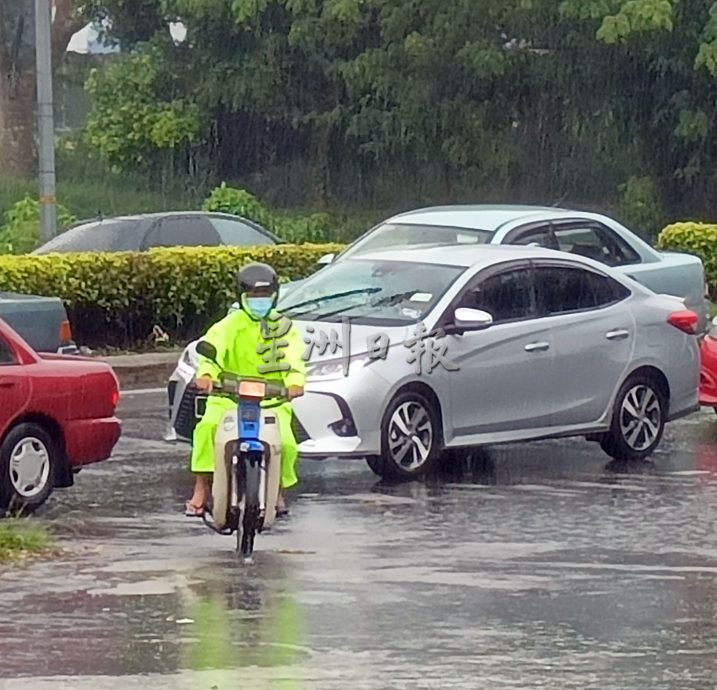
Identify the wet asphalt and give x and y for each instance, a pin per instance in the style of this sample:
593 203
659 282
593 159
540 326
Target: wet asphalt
537 565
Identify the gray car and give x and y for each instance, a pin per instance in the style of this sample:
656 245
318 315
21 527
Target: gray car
577 232
145 231
533 343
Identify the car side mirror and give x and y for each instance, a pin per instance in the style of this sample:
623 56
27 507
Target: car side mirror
326 259
207 350
466 319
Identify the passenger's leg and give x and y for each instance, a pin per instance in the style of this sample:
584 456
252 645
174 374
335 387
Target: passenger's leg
202 462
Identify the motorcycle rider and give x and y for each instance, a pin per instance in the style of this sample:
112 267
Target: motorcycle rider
240 341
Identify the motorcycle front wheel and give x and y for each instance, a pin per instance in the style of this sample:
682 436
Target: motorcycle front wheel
249 524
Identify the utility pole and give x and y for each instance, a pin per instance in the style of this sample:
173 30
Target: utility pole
45 118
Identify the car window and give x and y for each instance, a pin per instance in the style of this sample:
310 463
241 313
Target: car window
6 356
97 236
560 290
541 236
506 296
235 233
595 242
182 231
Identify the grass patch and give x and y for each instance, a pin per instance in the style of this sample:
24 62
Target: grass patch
21 537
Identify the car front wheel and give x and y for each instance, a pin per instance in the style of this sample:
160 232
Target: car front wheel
28 459
410 442
638 420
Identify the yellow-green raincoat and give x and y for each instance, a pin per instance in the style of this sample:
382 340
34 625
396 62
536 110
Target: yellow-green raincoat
236 338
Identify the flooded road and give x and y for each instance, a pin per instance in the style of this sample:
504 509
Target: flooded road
537 566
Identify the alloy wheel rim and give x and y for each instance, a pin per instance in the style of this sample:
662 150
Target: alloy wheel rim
410 436
29 467
640 417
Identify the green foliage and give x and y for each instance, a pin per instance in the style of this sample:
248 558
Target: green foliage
19 537
313 228
695 238
637 16
136 111
115 299
641 206
238 202
463 99
294 228
20 232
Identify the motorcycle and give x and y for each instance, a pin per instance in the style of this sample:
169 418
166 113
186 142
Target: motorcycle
247 457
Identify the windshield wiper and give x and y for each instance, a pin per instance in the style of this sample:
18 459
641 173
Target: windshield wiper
389 300
329 298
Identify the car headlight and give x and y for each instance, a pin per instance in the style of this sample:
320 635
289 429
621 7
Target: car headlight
334 368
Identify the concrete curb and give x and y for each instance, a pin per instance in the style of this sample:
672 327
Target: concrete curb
143 371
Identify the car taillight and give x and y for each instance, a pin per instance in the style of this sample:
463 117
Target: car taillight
65 333
685 320
115 398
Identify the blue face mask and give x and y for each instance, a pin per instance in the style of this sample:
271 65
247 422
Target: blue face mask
258 307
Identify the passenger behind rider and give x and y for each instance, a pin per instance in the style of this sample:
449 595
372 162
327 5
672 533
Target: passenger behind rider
237 338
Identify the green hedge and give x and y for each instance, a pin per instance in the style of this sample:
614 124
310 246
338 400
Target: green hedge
115 299
699 239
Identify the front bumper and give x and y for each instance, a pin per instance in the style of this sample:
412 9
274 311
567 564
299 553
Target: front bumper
91 440
340 418
324 426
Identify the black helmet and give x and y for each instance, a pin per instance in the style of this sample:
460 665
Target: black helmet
257 276
253 278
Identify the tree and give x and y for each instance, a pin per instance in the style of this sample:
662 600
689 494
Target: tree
525 99
17 72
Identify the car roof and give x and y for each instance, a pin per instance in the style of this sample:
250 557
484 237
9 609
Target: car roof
158 214
478 216
467 256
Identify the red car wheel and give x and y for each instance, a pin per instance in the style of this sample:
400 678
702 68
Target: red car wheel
28 458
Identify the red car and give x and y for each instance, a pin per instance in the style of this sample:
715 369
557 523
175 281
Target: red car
708 370
57 413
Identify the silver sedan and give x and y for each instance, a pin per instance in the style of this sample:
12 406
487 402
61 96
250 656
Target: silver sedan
414 351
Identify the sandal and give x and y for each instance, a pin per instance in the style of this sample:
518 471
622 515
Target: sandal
191 510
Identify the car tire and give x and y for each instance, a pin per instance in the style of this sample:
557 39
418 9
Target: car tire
638 420
410 438
29 459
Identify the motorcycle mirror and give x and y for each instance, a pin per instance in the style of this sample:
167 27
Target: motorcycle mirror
207 350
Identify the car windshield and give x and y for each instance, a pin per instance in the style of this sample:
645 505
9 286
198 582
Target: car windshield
395 235
370 292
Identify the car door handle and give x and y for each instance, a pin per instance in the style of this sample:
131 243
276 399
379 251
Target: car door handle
536 347
618 334
7 384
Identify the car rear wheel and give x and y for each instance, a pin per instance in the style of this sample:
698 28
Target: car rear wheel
638 420
410 442
28 460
